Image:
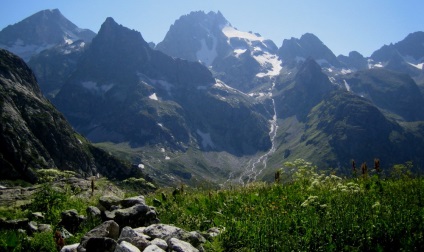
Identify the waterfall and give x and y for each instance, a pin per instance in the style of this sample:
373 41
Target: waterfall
254 169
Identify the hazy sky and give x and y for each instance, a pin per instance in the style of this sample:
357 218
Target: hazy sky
343 25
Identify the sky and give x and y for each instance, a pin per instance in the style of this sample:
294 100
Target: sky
342 25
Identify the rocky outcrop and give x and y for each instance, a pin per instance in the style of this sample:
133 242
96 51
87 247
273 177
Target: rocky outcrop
34 135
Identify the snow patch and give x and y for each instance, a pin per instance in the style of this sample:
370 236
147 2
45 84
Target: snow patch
238 52
141 166
419 66
153 97
267 59
346 85
206 139
162 150
167 158
231 32
206 55
346 71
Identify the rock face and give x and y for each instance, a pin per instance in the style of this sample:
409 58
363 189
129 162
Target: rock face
33 134
297 96
128 92
308 46
240 59
41 31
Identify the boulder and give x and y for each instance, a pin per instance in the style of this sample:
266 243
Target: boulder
44 228
153 248
180 246
160 243
93 213
138 240
108 229
71 220
37 216
135 216
166 232
129 202
106 202
126 247
70 248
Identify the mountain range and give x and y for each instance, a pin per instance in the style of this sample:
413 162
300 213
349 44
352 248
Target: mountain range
211 102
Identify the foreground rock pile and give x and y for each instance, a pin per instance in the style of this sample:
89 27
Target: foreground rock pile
131 225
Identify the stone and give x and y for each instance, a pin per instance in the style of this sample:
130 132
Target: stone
106 202
180 246
32 227
135 216
70 248
38 216
160 243
108 229
137 200
153 248
108 215
137 239
166 232
44 228
100 244
71 220
126 247
93 212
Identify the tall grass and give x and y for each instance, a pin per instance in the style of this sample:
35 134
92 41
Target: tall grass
314 212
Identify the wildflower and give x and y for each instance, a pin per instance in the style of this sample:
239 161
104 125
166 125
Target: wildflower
376 205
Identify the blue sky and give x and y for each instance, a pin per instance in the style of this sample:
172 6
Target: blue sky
343 25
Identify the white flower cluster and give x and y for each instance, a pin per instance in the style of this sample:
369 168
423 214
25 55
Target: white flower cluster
311 200
350 187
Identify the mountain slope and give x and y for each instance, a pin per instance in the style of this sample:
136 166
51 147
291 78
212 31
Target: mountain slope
308 46
128 92
391 91
240 59
40 31
33 134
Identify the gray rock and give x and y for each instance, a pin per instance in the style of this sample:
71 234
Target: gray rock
93 212
44 228
71 220
181 246
163 231
129 202
106 202
109 215
32 227
135 216
160 243
108 229
38 216
166 232
137 239
70 248
153 248
126 247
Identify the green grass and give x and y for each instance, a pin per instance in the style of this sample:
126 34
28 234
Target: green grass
305 211
312 213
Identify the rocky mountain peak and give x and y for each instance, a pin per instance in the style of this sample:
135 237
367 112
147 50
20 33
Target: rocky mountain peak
296 50
41 31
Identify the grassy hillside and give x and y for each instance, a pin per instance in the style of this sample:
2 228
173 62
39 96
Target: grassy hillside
303 211
312 212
